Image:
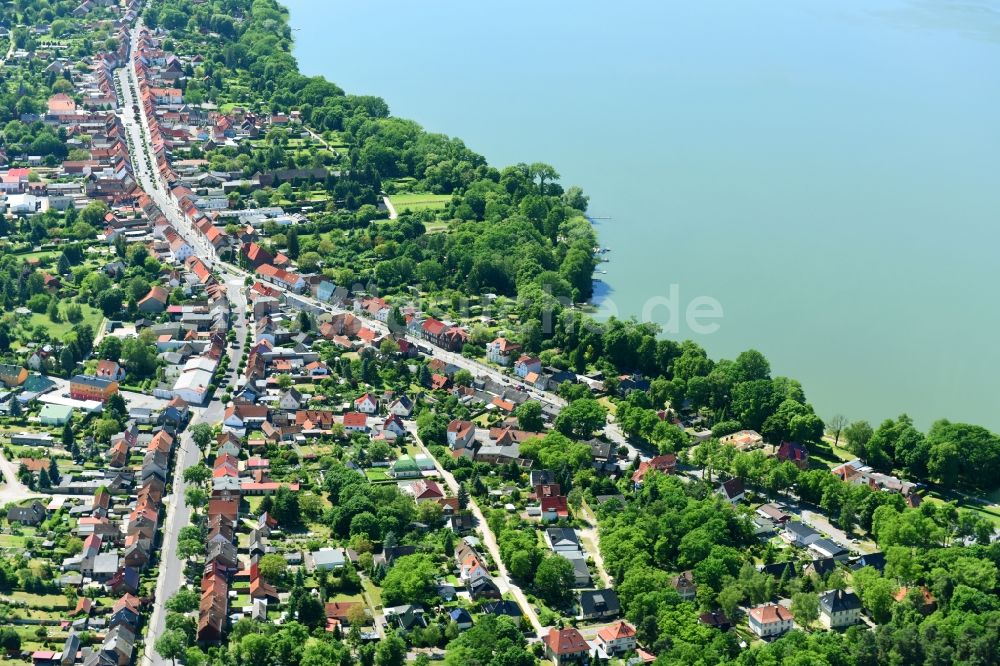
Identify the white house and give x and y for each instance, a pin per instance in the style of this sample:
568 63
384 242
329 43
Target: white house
366 404
839 608
799 534
770 620
617 638
401 407
501 351
329 558
290 399
394 425
526 365
460 434
732 491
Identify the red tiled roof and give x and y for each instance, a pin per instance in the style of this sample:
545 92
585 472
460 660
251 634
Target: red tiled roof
566 641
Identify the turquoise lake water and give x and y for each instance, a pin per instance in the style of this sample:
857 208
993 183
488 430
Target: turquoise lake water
827 172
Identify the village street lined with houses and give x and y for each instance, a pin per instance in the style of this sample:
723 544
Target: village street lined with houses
236 430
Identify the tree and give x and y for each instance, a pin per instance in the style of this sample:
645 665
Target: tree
195 497
188 548
836 426
10 640
463 378
171 644
805 608
201 434
67 435
272 567
411 580
54 474
139 357
857 435
581 418
52 311
104 429
529 416
110 348
184 601
391 651
43 479
197 474
285 507
93 214
310 261
554 579
111 301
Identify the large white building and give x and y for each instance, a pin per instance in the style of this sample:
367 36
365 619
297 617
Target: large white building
839 608
770 620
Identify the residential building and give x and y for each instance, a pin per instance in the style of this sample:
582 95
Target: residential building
31 514
732 490
564 646
88 387
12 375
617 638
799 534
684 585
839 608
501 351
794 453
665 464
770 620
599 604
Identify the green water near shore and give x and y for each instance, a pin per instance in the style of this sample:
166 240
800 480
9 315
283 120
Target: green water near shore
826 171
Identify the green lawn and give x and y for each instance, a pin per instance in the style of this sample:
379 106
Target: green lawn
377 474
418 202
373 591
91 316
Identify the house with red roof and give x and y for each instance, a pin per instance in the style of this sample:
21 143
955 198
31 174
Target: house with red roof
355 422
502 351
15 181
461 434
617 638
794 453
281 278
61 104
770 620
564 646
154 301
110 370
665 464
424 490
366 404
554 508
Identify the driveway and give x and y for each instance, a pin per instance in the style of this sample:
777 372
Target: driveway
12 490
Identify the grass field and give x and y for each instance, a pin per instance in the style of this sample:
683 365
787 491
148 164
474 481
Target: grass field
419 202
91 316
376 474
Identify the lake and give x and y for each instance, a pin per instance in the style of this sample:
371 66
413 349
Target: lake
826 172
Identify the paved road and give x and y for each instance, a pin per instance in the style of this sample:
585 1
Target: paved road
389 207
12 489
503 581
477 368
178 515
144 166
